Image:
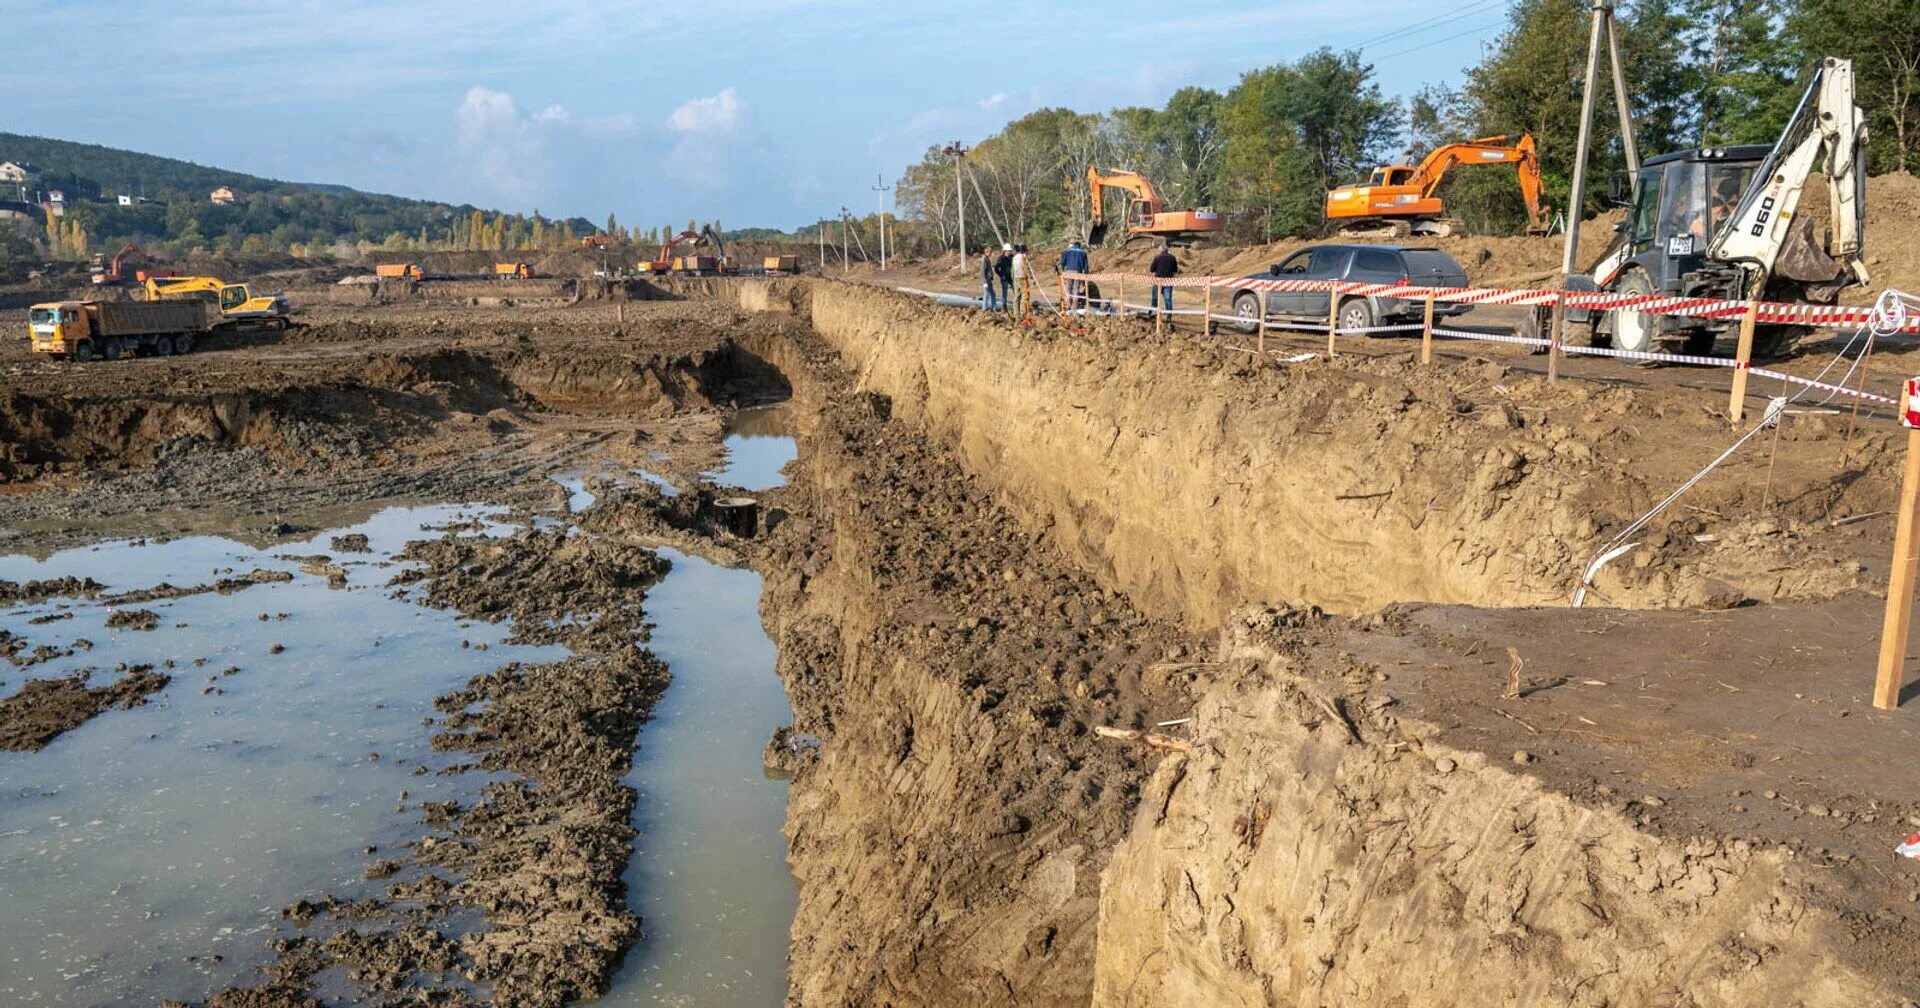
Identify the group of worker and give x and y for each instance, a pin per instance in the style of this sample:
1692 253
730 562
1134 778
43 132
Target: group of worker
1009 270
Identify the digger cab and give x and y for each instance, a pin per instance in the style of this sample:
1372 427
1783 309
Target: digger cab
1391 175
1678 202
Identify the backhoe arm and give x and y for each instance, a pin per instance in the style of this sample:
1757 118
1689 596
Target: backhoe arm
1487 150
1826 132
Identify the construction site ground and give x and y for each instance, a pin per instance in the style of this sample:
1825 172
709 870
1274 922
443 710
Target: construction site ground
1340 587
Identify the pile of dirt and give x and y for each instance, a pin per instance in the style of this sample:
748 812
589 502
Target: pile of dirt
42 709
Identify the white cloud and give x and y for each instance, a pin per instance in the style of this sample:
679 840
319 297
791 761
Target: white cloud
502 148
716 114
994 102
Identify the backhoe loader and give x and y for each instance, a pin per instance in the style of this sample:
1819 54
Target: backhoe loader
1725 223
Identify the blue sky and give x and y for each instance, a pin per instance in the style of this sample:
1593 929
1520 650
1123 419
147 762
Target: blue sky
770 112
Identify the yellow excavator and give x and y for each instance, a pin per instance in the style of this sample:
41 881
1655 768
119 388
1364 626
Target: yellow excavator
239 306
1146 216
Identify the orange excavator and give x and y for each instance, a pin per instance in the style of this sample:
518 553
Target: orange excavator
1400 198
103 273
1146 216
663 262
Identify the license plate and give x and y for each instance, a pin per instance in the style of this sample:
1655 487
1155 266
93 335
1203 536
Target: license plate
1680 245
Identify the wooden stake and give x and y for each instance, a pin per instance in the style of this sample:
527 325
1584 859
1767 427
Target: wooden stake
1333 322
1553 341
1119 295
1262 344
1426 334
620 311
1206 323
1160 316
1743 356
1906 558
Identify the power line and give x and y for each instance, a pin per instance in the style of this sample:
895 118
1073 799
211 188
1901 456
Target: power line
1437 21
1426 45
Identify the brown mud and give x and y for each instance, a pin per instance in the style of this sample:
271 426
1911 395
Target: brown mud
41 710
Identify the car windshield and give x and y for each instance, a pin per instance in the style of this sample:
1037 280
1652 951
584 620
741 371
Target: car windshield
1725 184
1683 200
43 316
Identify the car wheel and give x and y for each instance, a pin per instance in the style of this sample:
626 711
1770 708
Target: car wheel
1357 314
1633 329
83 351
1246 313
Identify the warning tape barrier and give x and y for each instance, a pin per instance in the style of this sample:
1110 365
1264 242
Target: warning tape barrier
1775 312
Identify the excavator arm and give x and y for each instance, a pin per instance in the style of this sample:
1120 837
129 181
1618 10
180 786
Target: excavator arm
1489 150
1827 132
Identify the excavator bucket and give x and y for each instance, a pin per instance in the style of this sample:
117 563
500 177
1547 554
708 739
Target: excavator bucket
1096 233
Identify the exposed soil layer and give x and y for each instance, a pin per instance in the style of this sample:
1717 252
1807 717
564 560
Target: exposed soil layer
1356 807
42 709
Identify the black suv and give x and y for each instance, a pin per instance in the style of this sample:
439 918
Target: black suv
1379 264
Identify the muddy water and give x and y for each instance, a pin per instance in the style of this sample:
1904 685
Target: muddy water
758 444
141 845
709 875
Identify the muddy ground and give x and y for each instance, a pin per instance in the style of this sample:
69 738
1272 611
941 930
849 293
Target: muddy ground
1000 539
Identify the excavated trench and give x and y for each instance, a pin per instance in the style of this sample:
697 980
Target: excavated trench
1005 538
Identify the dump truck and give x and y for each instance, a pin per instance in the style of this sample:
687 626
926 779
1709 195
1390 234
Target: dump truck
513 271
409 271
109 330
781 264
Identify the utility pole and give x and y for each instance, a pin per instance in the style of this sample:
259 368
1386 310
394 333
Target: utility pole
846 265
880 186
959 150
1603 27
823 244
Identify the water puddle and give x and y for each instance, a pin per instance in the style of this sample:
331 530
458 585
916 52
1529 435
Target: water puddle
146 854
709 875
759 443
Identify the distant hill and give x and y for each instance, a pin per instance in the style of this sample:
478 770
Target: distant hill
270 216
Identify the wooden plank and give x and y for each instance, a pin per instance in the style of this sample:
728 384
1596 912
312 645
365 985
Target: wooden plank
1906 558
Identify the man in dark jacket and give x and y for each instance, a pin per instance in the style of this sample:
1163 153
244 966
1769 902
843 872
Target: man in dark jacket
1163 267
1074 260
987 276
1003 269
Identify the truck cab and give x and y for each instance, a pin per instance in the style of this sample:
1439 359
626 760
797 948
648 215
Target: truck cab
56 326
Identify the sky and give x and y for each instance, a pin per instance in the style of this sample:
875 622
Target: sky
754 112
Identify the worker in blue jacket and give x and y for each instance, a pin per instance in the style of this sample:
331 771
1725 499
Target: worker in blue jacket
1074 260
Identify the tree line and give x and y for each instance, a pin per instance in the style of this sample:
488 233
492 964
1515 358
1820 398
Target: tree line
1264 153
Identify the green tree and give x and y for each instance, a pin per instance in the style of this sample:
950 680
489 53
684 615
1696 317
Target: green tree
1882 38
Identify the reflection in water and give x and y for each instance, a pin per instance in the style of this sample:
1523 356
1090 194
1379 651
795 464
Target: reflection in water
709 876
759 443
151 836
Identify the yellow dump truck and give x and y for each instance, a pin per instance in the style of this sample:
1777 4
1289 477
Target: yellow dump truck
409 271
780 264
109 330
513 271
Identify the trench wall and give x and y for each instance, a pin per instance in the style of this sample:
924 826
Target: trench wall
1195 479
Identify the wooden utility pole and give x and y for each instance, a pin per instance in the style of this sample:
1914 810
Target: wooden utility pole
1603 27
1906 558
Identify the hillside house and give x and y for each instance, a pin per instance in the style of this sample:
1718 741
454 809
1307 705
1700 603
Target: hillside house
12 171
225 196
